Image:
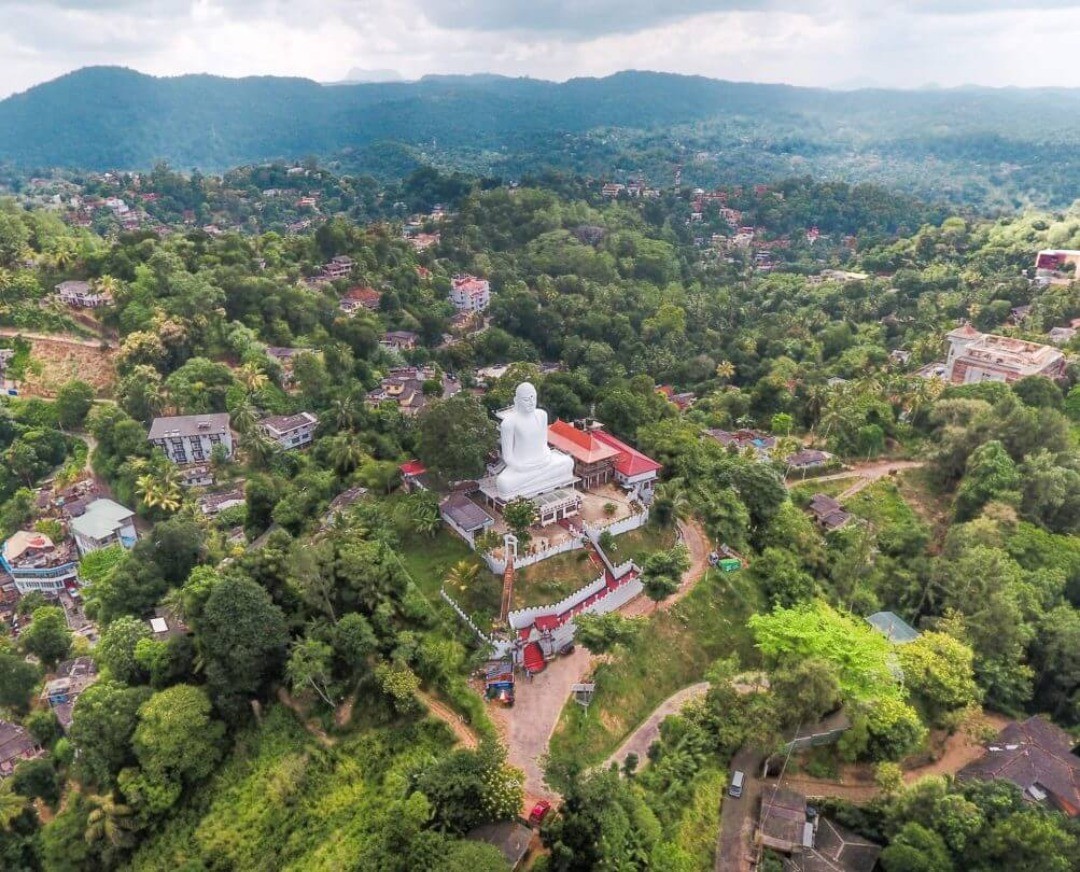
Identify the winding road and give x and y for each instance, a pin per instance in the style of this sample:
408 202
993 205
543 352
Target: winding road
639 741
539 702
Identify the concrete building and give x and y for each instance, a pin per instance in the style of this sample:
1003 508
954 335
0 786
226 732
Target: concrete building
82 295
35 563
470 294
191 438
291 431
978 357
104 523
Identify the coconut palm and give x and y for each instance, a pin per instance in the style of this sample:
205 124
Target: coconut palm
244 417
725 369
462 575
107 285
160 489
345 412
260 447
111 822
63 256
252 378
424 513
346 453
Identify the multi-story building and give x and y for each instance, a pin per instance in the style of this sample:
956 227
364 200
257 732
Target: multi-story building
35 563
291 431
102 524
470 294
979 357
82 295
594 460
191 438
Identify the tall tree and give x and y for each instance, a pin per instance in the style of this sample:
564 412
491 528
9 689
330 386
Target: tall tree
455 437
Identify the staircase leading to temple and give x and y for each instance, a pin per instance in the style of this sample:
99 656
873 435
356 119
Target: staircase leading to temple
508 589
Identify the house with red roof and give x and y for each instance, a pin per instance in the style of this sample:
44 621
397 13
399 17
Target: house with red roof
470 294
594 460
633 470
360 297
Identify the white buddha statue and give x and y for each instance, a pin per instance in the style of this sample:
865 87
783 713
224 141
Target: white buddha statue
531 466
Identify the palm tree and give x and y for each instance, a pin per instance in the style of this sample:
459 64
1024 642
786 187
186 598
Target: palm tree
11 804
346 454
160 491
345 413
244 417
107 285
111 822
462 575
260 447
671 503
424 514
63 255
252 378
725 369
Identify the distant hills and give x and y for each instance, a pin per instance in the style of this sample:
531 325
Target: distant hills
108 117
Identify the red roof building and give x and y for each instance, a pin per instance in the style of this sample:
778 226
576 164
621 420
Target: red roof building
594 460
367 297
632 468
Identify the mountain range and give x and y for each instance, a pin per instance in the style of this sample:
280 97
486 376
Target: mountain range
108 117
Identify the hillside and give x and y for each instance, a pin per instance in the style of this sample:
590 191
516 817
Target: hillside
1022 141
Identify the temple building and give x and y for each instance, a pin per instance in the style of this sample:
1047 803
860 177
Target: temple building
594 459
978 357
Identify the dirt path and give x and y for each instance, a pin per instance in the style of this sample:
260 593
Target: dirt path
58 338
314 729
866 473
452 719
697 544
539 702
639 741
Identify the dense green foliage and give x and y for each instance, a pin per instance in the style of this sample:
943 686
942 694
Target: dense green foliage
720 131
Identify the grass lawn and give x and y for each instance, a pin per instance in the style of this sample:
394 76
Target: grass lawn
676 649
638 544
883 505
802 492
429 558
550 580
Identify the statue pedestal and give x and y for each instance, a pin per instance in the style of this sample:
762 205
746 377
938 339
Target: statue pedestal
557 473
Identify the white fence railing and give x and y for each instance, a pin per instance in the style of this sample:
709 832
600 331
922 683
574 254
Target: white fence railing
617 528
526 617
498 564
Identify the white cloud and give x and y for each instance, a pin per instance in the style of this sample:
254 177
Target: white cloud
813 42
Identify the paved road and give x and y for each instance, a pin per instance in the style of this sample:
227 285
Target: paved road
537 705
639 741
733 845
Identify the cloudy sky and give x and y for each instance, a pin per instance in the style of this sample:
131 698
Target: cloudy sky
901 43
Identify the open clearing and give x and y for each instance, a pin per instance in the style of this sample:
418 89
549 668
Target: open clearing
55 360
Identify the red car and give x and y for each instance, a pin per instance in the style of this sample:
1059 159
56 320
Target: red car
539 812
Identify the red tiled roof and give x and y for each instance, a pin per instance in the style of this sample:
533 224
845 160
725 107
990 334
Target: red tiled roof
583 447
366 297
630 461
413 467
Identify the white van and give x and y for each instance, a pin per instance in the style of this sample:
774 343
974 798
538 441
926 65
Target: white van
735 788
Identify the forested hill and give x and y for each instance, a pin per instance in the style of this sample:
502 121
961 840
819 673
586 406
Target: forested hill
104 118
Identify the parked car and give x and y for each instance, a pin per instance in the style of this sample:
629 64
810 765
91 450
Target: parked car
539 812
736 786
